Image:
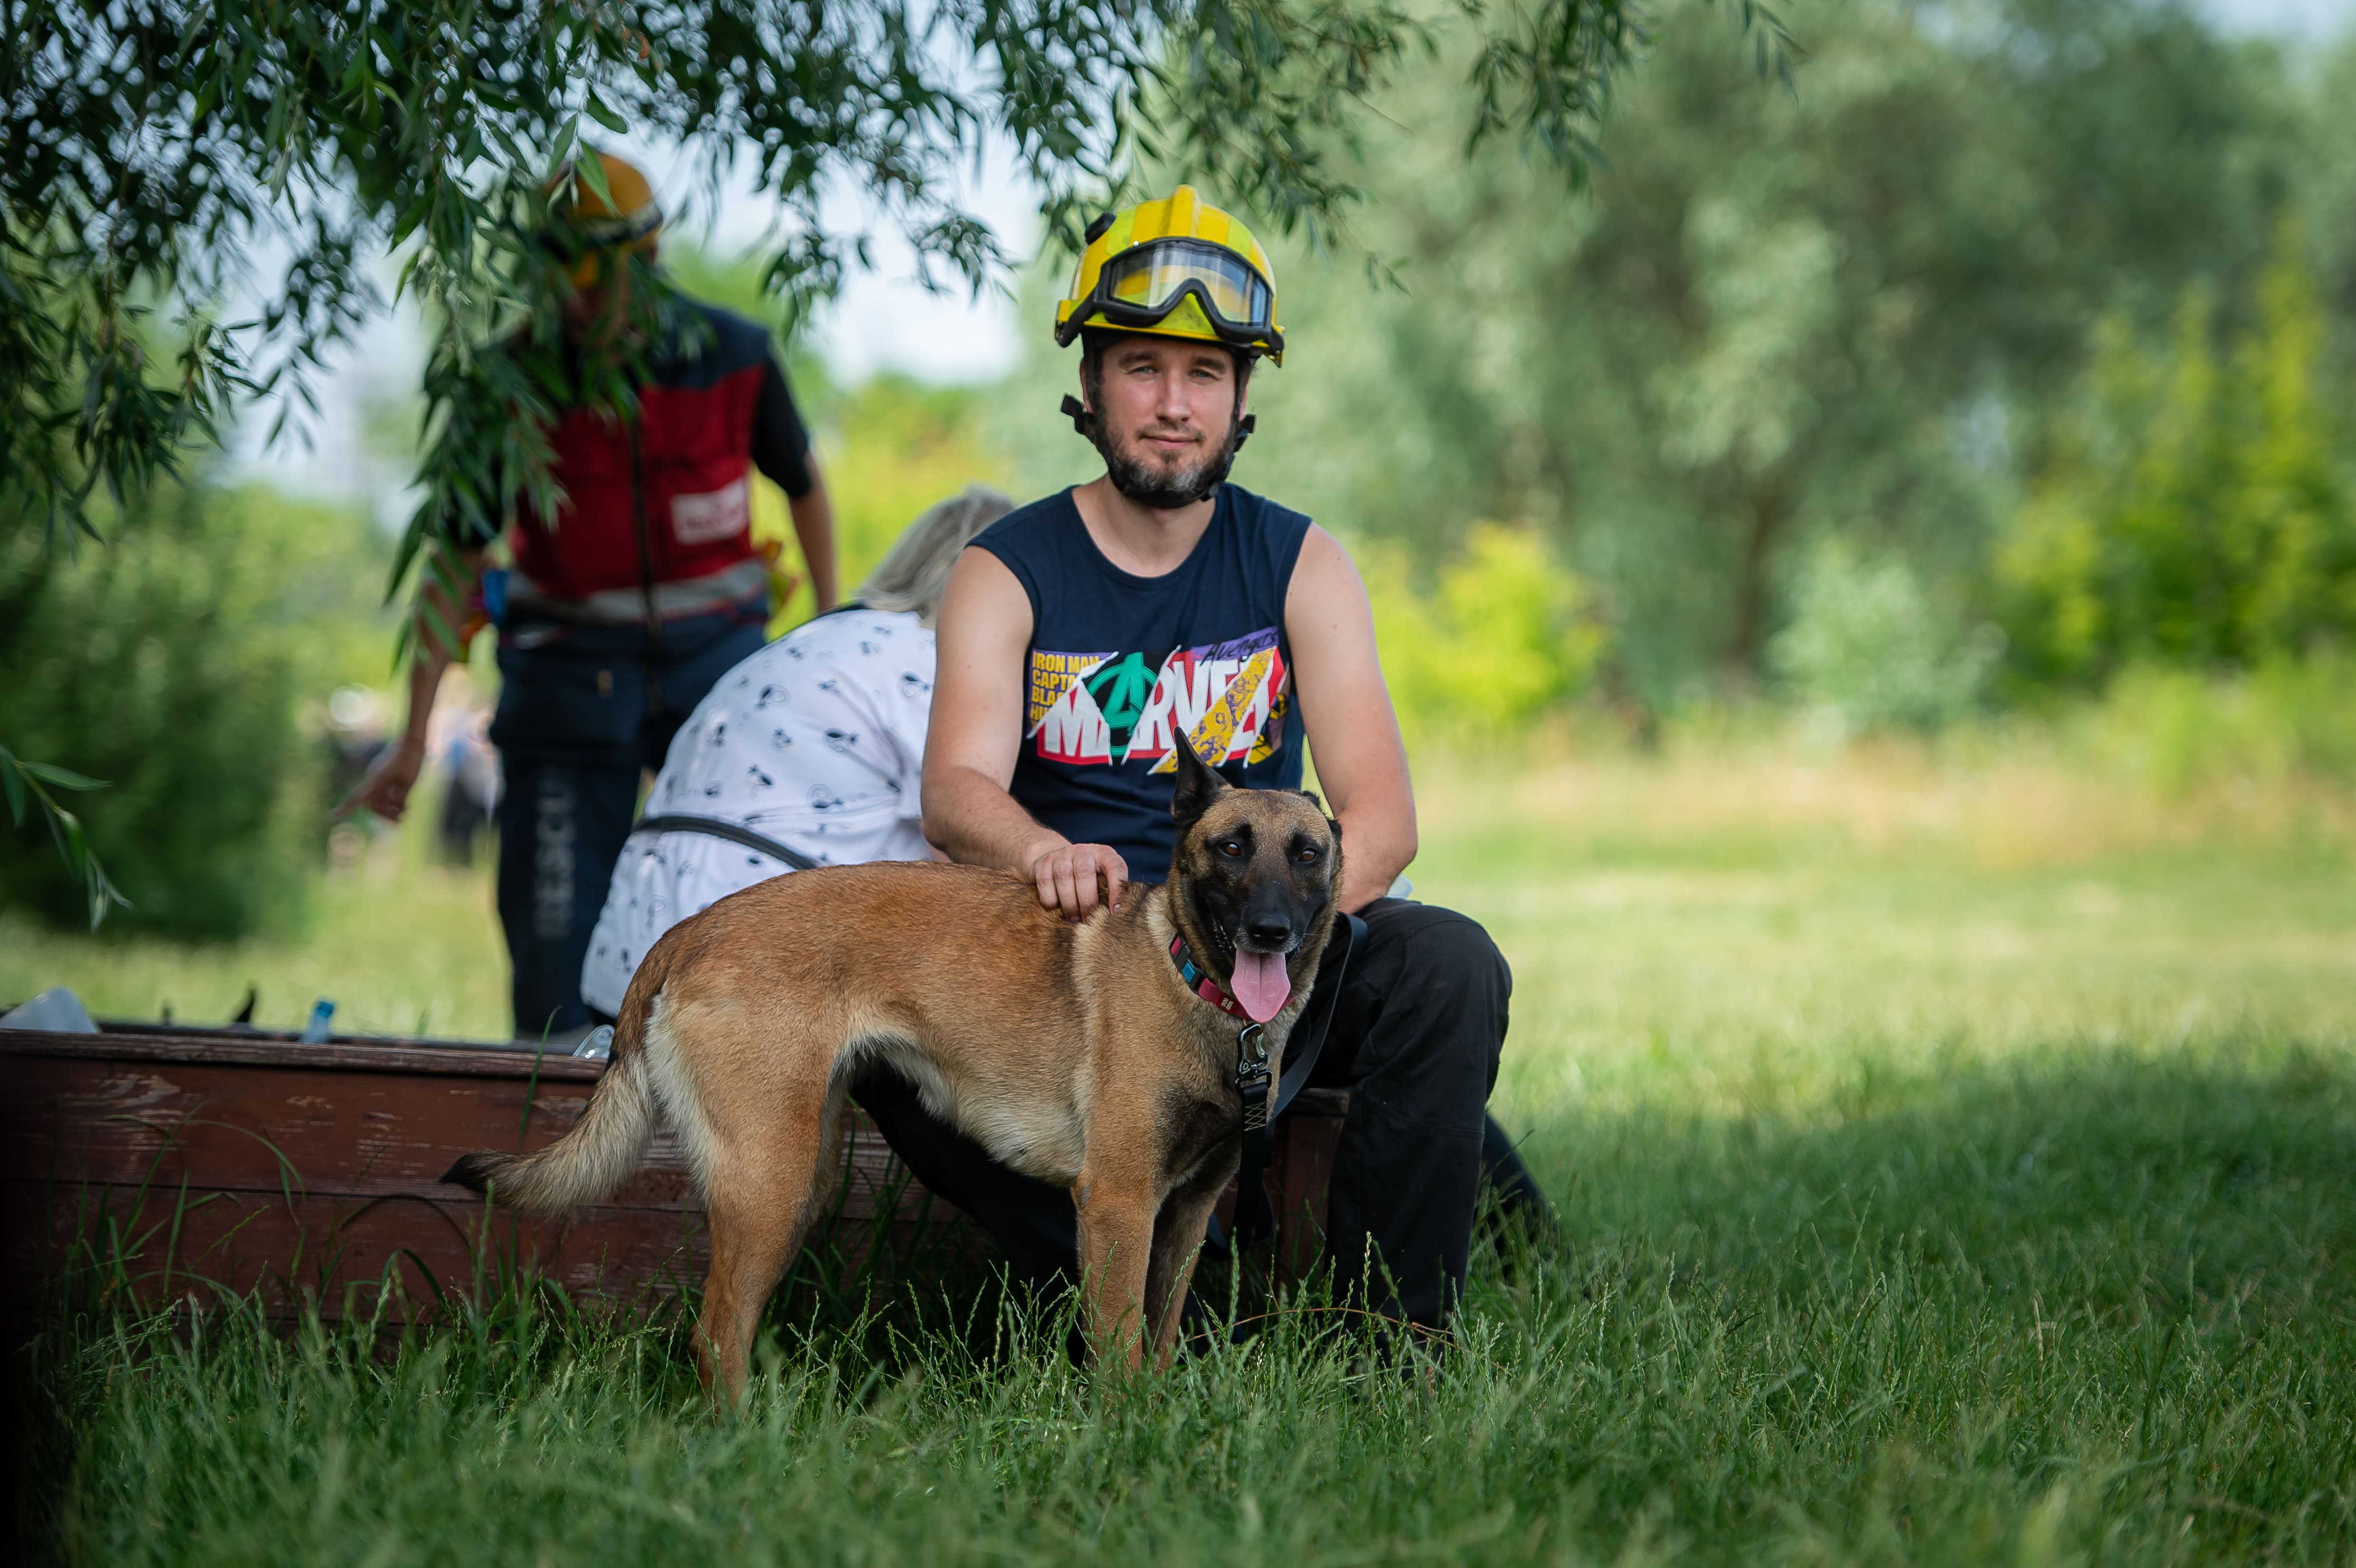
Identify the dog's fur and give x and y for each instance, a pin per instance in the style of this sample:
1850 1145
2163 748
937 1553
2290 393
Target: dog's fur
1072 1051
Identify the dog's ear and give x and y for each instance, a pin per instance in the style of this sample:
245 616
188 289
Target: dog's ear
1198 786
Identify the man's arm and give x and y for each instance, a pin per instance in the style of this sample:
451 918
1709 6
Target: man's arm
1346 711
813 517
393 775
781 449
976 732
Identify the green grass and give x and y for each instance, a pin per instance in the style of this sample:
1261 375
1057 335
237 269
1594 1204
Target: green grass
402 945
1957 1164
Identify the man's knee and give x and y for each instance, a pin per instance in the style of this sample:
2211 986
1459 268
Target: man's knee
1446 967
1462 946
1453 955
1463 949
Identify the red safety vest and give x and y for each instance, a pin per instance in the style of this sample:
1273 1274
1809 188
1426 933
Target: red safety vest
658 509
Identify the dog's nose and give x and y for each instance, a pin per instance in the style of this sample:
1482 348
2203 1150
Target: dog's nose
1269 934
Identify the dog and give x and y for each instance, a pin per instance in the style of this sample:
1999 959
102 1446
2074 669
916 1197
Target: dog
1113 1055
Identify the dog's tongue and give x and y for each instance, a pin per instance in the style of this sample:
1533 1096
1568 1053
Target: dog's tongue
1261 984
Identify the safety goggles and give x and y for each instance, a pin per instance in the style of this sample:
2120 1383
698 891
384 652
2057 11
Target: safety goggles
581 235
1141 285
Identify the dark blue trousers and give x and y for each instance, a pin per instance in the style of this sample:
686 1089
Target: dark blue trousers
583 712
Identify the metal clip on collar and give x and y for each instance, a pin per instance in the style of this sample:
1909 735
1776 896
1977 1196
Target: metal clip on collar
1252 1076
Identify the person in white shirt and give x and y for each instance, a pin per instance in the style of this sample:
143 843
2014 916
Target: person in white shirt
807 753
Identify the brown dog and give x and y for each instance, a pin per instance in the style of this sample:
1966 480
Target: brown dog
1078 1054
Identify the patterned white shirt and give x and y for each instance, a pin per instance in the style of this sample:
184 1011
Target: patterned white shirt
817 742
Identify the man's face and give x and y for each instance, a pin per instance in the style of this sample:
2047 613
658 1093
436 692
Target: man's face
594 312
1166 408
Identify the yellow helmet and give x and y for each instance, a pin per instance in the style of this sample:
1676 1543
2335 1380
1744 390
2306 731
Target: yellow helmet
1177 268
626 217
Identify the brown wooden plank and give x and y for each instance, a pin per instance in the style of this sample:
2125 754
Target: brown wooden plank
1300 1170
282 1156
177 1244
281 1052
318 1131
318 1128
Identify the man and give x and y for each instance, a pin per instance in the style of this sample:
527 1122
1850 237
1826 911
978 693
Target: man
811 752
626 605
1086 635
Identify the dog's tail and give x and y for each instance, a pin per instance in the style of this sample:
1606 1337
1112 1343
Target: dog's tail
602 1150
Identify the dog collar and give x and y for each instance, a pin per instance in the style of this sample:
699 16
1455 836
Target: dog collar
1198 981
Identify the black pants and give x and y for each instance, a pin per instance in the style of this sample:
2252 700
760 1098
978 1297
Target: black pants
1416 1036
583 712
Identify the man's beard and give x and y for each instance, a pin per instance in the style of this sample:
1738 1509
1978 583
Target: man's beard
1160 491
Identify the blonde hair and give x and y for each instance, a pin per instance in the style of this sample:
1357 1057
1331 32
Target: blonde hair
916 573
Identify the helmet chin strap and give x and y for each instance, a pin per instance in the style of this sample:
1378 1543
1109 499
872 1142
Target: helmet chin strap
1085 422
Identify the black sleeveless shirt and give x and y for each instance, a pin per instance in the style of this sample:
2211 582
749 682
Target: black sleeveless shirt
1121 667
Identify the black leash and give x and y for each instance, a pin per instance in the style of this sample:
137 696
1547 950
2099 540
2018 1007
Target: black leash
714 827
1255 1217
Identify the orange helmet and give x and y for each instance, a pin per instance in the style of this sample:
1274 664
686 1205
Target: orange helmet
624 218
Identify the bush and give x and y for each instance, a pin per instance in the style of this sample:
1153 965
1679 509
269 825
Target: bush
1868 649
2193 511
2180 729
1500 634
169 661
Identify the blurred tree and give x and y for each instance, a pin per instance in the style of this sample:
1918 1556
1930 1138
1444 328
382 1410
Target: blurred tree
1843 307
150 149
2326 188
1867 647
156 155
898 446
1502 635
2193 510
173 661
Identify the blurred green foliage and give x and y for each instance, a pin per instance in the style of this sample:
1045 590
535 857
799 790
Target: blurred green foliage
1500 634
1860 310
2195 510
1781 313
2006 354
890 448
173 662
1868 646
2180 730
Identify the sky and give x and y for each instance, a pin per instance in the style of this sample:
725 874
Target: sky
883 319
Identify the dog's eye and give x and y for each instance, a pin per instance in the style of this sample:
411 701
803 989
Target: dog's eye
1307 856
1230 848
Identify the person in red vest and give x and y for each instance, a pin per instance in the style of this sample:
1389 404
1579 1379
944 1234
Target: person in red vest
623 607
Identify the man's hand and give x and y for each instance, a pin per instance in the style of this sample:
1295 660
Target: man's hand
1067 876
389 779
442 605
